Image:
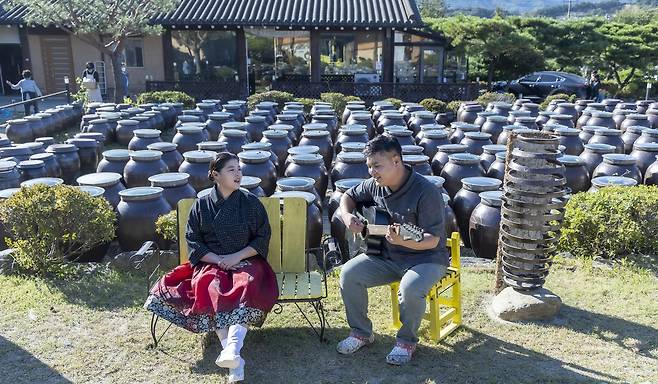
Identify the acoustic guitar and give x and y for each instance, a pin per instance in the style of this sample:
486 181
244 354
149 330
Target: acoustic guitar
374 233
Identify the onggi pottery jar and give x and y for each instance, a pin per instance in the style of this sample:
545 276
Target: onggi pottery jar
576 173
68 160
309 166
88 153
391 118
363 118
475 141
529 122
404 137
321 139
215 146
567 109
569 138
252 184
37 125
187 138
280 142
505 134
9 176
258 164
561 119
96 136
289 119
349 165
482 117
214 123
488 155
469 113
587 132
109 181
170 155
330 120
610 137
428 127
467 198
420 118
441 158
619 115
51 164
629 137
593 155
313 217
616 164
607 181
299 150
494 126
644 155
353 147
500 108
437 181
175 187
497 168
603 119
431 140
648 136
101 126
351 134
652 117
19 131
304 184
255 126
137 212
450 218
513 115
31 169
419 163
47 181
340 187
141 166
460 166
533 108
114 160
460 130
349 109
584 118
635 120
412 150
125 129
234 139
289 129
142 139
197 165
484 225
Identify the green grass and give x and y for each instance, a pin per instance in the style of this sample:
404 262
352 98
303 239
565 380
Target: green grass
95 330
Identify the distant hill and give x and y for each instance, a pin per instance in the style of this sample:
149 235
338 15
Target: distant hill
541 7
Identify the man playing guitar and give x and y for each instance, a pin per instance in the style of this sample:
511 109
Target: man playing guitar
408 198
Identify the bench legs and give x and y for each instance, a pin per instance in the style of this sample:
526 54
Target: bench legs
154 324
319 311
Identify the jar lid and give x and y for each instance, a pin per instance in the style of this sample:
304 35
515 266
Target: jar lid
99 179
566 131
308 196
344 184
605 181
351 157
603 114
128 122
254 119
481 184
302 149
618 159
391 128
189 119
7 166
464 158
497 118
400 132
636 116
435 134
141 118
280 127
308 158
315 127
592 128
607 132
162 146
501 104
570 161
467 127
118 154
62 148
232 106
17 121
254 156
203 104
217 146
353 146
534 105
192 112
360 115
600 148
501 156
646 147
638 129
453 148
492 198
316 134
7 193
49 181
146 133
295 183
92 190
412 149
169 179
566 105
31 164
240 125
436 180
145 155
33 118
220 116
525 119
91 135
267 104
324 114
432 127
519 113
274 134
415 159
236 101
89 117
141 193
478 135
611 101
286 117
98 121
83 143
199 156
486 114
250 182
624 112
650 132
256 146
189 129
34 146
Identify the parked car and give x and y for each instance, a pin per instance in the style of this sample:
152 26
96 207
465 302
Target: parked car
545 83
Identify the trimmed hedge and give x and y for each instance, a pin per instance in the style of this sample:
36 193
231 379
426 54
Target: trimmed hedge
434 105
167 97
276 96
397 103
489 97
568 98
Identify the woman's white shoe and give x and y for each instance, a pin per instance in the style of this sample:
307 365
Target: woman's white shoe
227 359
236 374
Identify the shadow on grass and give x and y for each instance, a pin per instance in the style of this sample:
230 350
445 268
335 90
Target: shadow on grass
16 361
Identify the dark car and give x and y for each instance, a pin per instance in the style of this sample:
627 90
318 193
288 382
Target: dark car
545 83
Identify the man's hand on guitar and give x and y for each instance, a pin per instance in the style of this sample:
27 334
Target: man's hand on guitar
393 235
353 223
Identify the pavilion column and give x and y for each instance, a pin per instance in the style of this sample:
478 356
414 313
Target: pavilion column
167 55
388 52
25 48
316 70
241 42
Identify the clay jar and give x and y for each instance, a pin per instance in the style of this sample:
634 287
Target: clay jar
349 165
648 136
258 164
593 155
252 184
644 155
353 147
607 181
288 129
619 115
50 163
527 122
567 109
170 155
431 140
482 117
629 137
420 118
68 160
363 118
101 126
651 174
214 124
125 131
500 108
388 119
652 117
37 125
142 139
313 217
412 150
484 225
441 158
460 166
303 184
280 143
31 169
603 119
584 118
255 146
187 138
351 134
505 134
137 212
587 132
217 146
576 173
475 141
330 120
309 166
569 138
467 198
114 160
299 150
322 140
561 119
428 127
469 113
141 166
449 215
513 115
47 181
635 120
88 153
616 164
488 155
404 137
234 139
340 187
19 131
197 165
109 181
349 108
459 131
175 187
610 137
493 125
255 126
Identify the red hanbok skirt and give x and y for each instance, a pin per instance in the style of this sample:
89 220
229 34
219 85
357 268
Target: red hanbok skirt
205 297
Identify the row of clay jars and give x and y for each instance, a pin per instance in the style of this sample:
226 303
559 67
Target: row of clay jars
467 198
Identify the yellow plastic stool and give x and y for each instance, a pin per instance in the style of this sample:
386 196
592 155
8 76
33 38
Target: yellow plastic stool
445 294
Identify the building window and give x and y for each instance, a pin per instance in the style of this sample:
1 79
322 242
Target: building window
346 53
133 53
204 55
292 59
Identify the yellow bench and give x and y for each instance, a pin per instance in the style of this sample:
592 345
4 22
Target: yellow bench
443 300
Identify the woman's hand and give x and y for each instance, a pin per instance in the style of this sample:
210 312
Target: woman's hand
228 262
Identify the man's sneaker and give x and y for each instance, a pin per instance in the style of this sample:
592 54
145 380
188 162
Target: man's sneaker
353 343
236 374
401 353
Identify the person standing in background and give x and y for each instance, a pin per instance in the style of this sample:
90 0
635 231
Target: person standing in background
91 82
29 90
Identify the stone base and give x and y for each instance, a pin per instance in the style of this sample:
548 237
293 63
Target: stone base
512 305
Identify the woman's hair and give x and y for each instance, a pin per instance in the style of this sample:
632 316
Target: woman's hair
383 143
89 65
219 162
27 74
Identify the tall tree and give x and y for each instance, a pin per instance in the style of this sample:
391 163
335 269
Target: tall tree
104 24
432 8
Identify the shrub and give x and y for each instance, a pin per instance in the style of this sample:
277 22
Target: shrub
50 225
167 226
337 100
397 103
569 98
615 221
453 106
81 96
433 105
166 97
489 97
277 96
308 103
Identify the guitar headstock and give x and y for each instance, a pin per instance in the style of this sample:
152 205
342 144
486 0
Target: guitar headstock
410 231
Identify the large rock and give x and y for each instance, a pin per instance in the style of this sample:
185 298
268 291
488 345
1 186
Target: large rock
513 305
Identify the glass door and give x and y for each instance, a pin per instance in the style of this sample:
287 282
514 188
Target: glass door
431 65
